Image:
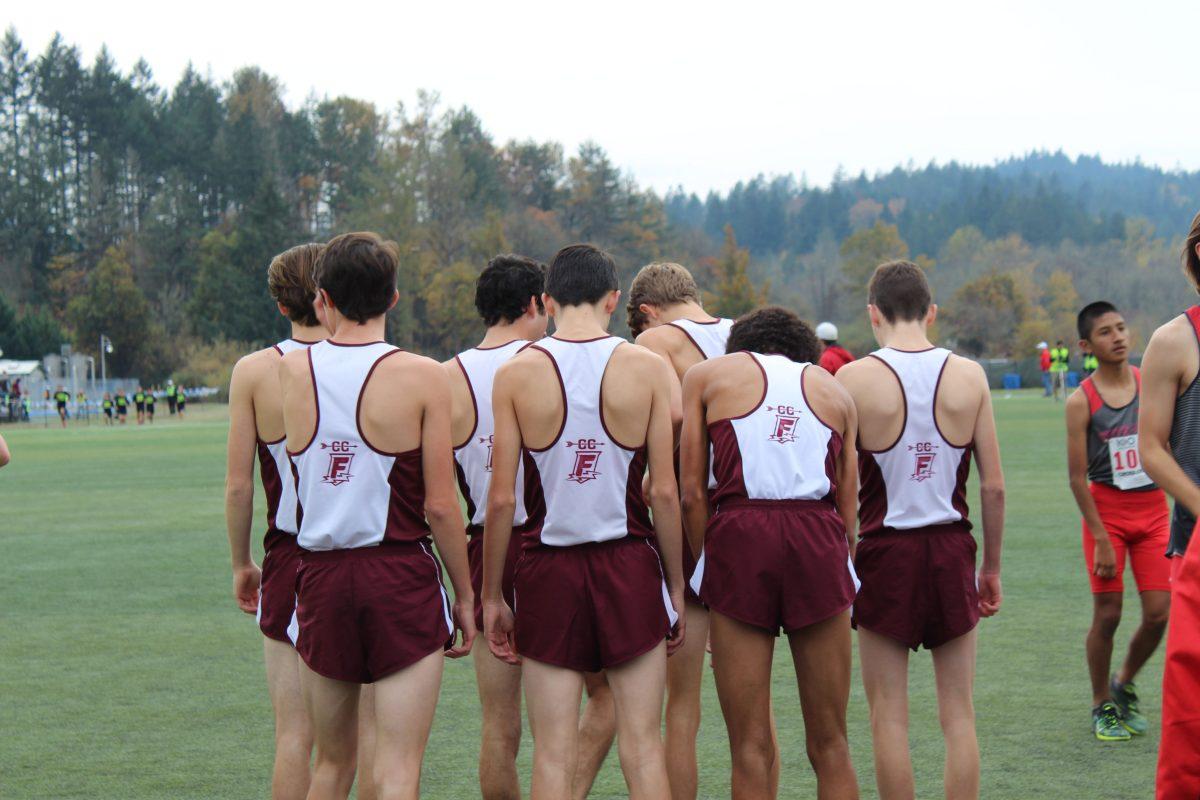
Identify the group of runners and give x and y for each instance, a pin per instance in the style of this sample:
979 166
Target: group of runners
630 505
115 405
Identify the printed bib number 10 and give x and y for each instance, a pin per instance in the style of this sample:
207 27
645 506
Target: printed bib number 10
1126 466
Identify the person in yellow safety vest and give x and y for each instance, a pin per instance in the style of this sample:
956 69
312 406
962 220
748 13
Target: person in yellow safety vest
1060 360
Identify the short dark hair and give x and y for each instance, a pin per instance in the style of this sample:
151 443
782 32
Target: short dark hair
581 273
1085 323
358 270
900 290
290 282
504 287
774 331
1191 261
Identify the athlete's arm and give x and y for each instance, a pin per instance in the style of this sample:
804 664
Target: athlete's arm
656 341
501 503
239 485
5 456
693 458
847 469
1161 374
441 500
1078 418
664 492
991 498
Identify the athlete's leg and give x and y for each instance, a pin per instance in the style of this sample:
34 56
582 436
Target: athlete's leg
552 696
500 698
1106 616
685 674
954 670
293 733
1156 609
821 655
404 706
597 729
365 777
884 664
333 708
742 667
637 688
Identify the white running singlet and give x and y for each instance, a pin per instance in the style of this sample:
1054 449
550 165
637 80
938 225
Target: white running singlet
591 483
473 458
350 494
709 338
921 479
275 469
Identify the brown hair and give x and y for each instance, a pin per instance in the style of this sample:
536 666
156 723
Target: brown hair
900 291
358 272
661 284
1191 259
290 282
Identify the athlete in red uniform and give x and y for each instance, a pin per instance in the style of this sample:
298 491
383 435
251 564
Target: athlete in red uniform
1123 512
508 296
776 550
916 554
591 412
368 434
1169 439
256 426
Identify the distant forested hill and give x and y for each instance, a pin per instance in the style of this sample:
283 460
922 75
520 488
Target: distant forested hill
149 213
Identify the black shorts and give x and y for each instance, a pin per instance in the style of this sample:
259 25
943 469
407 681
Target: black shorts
123 410
62 407
141 406
108 412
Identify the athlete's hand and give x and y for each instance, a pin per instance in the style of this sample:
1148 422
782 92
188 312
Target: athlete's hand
463 612
1104 564
675 637
990 594
500 629
246 583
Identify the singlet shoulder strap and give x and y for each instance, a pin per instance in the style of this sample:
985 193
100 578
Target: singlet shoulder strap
1193 315
1137 377
1095 402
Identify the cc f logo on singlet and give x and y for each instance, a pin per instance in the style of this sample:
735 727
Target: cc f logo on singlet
786 418
341 455
488 441
587 455
923 460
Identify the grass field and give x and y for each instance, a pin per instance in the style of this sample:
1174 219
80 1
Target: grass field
127 672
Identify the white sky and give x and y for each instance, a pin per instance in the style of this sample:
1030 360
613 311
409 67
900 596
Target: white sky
703 94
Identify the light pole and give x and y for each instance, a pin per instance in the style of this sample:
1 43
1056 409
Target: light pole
106 347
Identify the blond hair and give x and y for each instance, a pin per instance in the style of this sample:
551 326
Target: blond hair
290 282
662 284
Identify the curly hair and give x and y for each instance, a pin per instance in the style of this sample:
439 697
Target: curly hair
662 283
290 282
504 287
774 331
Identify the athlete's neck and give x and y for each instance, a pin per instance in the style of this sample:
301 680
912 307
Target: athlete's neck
580 322
308 333
903 336
1114 373
504 333
347 331
689 309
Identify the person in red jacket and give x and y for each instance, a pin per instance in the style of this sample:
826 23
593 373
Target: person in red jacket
1044 365
834 356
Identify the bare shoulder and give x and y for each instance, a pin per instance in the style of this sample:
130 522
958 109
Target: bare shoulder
858 373
661 339
641 363
521 367
453 370
1176 333
294 363
410 367
1076 407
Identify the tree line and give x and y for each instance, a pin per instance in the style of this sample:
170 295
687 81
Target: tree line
150 214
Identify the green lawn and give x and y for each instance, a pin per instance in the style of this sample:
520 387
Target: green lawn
127 672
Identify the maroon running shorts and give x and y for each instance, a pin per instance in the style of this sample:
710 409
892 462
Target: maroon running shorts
277 592
475 561
371 611
689 568
777 564
593 606
918 586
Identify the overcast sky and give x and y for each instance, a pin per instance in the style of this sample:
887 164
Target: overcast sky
702 95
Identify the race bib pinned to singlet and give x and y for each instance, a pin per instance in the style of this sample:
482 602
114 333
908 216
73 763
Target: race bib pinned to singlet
1126 464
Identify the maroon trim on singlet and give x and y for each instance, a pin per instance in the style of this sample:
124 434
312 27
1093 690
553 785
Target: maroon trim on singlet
637 514
358 410
603 422
903 401
582 341
695 344
872 494
296 486
304 342
832 451
959 499
562 387
536 494
354 344
922 350
933 408
498 346
406 505
312 373
474 403
726 462
465 489
275 347
811 410
271 480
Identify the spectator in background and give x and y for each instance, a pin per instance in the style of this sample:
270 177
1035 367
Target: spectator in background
834 356
1060 362
1044 365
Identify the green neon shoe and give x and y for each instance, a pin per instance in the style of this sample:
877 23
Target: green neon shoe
1106 723
1125 697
